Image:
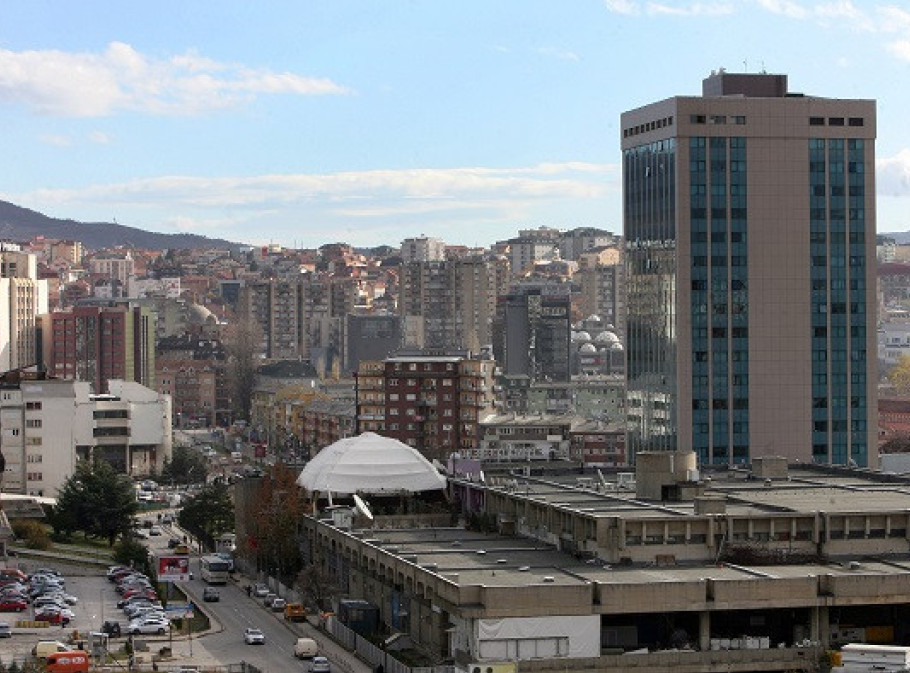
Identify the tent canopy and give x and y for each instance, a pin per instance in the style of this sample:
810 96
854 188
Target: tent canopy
370 463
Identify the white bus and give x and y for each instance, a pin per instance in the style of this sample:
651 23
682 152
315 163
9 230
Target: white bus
215 569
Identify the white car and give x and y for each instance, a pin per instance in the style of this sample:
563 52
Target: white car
253 637
149 624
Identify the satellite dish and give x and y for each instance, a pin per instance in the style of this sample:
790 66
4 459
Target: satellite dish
362 507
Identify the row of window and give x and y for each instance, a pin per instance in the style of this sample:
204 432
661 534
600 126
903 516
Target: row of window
717 119
836 121
649 126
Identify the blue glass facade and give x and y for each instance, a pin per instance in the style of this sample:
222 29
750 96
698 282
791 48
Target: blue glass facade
719 299
838 275
649 172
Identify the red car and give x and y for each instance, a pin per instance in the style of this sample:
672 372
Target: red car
52 617
12 605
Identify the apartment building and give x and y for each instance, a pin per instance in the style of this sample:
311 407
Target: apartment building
432 403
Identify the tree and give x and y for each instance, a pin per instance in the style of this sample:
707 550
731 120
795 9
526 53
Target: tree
317 585
242 344
209 514
131 552
96 500
186 466
279 504
899 376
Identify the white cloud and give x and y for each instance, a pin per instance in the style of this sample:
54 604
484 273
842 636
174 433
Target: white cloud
99 137
560 54
784 7
690 9
892 174
121 78
622 6
56 140
408 189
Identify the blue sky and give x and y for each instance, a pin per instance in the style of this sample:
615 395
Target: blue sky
301 122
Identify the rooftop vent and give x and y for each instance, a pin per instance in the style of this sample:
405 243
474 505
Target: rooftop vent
549 579
524 569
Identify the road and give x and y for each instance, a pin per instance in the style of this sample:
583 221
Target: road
223 644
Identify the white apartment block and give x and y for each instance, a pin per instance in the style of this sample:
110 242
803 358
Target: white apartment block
22 299
423 249
46 426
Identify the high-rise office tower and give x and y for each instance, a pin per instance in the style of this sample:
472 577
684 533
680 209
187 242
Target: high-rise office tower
749 220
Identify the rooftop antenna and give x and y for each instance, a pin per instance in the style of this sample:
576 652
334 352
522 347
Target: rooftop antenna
745 65
363 508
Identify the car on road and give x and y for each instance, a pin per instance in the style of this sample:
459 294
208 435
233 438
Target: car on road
268 598
155 530
260 590
5 630
210 595
148 625
278 605
320 665
253 636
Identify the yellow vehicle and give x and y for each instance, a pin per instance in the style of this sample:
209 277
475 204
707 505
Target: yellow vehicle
182 549
294 612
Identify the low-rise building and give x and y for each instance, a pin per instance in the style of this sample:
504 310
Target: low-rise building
757 569
50 424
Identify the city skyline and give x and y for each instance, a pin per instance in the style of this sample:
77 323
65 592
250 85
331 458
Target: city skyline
370 124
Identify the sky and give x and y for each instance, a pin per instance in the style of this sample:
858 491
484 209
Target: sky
302 123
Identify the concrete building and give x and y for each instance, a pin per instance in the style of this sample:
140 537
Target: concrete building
422 249
532 334
370 337
658 570
431 403
23 298
749 221
532 245
575 242
451 304
50 424
98 343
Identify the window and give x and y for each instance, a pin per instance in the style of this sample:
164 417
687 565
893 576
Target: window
33 405
816 121
33 423
835 121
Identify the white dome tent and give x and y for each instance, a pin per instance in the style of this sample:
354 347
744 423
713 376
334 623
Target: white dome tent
370 464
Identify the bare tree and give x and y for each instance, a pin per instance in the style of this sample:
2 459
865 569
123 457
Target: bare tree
242 345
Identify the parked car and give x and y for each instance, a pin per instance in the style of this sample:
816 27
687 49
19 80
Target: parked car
260 590
278 605
210 595
155 530
253 637
6 630
54 616
149 625
13 605
111 628
268 598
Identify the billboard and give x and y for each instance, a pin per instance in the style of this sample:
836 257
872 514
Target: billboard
172 568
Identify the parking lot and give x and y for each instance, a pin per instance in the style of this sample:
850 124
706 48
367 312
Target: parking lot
97 602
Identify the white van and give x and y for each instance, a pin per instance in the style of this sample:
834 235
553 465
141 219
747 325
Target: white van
45 647
237 457
305 648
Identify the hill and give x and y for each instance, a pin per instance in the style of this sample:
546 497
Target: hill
22 224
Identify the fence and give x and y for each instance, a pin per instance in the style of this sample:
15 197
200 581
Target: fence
373 655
